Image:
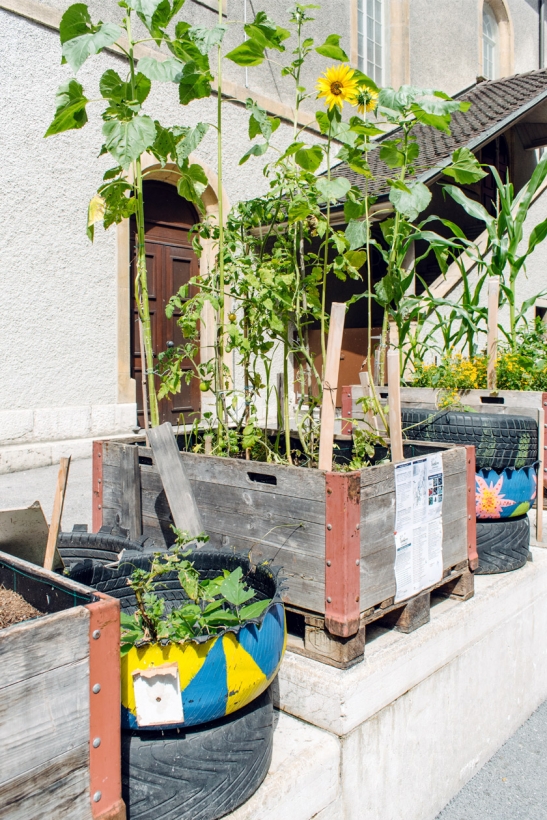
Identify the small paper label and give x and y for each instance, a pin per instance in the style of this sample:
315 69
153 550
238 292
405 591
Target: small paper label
157 695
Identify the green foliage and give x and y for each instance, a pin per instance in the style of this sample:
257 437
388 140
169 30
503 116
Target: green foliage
71 109
331 49
212 605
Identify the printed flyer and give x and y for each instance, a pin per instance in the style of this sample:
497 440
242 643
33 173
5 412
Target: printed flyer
418 524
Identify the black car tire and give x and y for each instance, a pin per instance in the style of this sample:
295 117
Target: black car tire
202 773
103 547
500 441
503 544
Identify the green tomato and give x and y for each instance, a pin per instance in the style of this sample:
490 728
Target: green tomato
204 386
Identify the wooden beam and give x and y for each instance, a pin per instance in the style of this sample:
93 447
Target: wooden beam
131 490
57 513
175 482
395 425
492 343
330 384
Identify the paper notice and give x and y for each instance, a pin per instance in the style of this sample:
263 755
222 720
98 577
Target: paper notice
419 488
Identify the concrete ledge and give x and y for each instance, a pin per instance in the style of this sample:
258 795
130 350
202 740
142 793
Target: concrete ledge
28 456
425 711
303 778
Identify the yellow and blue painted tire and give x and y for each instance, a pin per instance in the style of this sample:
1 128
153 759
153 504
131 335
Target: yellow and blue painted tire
217 676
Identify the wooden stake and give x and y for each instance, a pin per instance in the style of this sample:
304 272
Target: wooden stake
330 384
143 375
492 343
57 513
395 426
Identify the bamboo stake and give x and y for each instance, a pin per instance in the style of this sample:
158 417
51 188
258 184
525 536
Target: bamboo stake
492 343
395 426
330 384
57 513
143 370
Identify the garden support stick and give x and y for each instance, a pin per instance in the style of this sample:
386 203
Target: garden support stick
492 344
57 514
330 384
395 426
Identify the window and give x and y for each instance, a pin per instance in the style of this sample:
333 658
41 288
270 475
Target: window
370 34
489 43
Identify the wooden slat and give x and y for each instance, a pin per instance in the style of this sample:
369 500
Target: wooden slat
55 790
32 647
174 479
131 514
57 514
395 428
330 384
42 717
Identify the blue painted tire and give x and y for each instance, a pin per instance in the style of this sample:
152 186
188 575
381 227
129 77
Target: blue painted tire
219 674
505 494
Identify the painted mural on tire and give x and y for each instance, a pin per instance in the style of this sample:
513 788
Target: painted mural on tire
505 494
218 676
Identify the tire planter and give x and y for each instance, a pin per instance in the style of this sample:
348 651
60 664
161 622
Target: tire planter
200 774
503 545
501 441
506 494
218 675
103 547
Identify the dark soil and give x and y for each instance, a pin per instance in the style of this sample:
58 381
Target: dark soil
14 608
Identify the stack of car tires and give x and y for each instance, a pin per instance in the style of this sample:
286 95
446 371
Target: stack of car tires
506 451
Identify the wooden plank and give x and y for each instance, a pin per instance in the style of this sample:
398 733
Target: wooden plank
492 335
395 427
57 514
541 473
33 647
175 481
42 717
131 513
57 789
330 384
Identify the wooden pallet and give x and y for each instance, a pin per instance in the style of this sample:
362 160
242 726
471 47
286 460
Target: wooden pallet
308 635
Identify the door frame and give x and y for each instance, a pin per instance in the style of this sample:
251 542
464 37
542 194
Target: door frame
126 388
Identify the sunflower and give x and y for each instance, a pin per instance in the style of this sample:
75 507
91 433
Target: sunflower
337 86
366 100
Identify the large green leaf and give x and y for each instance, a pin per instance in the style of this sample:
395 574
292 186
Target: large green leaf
128 140
309 158
255 610
356 234
391 154
333 189
192 182
410 200
70 112
113 88
78 49
539 233
256 151
248 53
185 49
233 589
146 8
331 49
194 84
166 71
191 141
75 22
471 207
438 121
465 167
206 38
266 33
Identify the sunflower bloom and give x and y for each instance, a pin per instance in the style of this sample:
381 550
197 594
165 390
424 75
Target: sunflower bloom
337 86
366 100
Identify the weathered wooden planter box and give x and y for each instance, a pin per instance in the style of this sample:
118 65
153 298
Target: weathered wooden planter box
59 701
332 532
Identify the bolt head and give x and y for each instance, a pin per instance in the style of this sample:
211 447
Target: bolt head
329 526
96 742
96 634
357 563
329 600
96 797
96 688
328 563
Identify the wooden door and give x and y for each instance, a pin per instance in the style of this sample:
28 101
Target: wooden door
170 263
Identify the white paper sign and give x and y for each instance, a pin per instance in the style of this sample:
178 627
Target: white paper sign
419 488
157 695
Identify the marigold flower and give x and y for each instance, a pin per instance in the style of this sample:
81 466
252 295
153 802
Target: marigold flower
337 86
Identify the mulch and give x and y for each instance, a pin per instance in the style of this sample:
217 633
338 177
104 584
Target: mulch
14 608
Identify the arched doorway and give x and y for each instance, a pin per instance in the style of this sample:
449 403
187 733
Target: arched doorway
170 263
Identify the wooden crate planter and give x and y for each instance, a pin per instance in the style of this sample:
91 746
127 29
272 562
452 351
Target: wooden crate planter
331 532
59 701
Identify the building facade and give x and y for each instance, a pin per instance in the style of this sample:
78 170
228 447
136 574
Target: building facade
69 357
